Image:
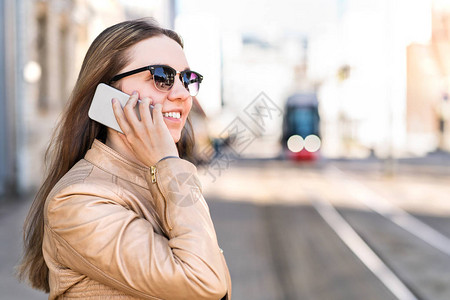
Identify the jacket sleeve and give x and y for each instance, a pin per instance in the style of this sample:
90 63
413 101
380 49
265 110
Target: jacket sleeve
98 236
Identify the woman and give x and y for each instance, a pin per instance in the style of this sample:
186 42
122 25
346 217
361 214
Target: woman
122 215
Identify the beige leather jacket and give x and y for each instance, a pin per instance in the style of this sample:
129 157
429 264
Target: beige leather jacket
117 230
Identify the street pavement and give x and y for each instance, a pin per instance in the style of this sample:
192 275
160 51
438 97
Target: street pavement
278 246
304 258
12 214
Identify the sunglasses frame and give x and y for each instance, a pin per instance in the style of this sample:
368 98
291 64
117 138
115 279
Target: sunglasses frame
152 68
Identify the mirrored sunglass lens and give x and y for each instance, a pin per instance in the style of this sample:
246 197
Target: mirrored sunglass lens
163 78
191 83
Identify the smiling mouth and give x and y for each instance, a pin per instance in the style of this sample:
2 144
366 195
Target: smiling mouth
174 115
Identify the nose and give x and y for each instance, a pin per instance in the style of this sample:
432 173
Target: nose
178 91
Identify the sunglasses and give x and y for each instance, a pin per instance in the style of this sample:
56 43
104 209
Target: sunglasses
164 78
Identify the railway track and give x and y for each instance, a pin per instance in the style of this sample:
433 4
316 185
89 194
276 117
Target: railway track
410 258
332 234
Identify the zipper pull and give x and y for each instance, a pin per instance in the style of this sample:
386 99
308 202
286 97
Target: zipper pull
153 172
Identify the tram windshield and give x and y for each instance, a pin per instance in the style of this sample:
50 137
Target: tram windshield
303 121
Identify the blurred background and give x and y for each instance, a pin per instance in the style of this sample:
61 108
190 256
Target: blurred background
323 134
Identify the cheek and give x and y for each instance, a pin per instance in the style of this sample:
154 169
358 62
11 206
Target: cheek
144 90
176 133
188 105
129 86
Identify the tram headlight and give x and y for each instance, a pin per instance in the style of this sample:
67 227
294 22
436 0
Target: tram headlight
295 143
312 143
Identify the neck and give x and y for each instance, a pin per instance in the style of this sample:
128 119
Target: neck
115 142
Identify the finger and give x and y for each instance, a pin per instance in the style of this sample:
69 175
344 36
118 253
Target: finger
124 139
129 109
157 114
120 117
144 111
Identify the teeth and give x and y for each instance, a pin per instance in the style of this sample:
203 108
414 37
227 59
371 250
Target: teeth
175 115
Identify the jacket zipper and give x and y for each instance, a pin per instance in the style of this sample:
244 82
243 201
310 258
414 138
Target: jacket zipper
166 212
153 172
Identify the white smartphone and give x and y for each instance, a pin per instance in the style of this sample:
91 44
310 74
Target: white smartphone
101 107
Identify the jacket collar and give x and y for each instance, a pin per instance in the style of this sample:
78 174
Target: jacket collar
112 162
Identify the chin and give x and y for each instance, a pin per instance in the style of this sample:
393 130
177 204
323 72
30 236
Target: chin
176 136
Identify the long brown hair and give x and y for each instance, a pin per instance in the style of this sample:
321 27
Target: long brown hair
75 132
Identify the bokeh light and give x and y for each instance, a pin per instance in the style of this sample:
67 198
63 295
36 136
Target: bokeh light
295 143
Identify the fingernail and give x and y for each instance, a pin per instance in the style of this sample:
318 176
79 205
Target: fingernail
113 100
134 93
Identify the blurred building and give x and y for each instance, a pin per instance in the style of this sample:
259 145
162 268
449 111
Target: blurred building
360 56
428 104
361 66
7 147
42 45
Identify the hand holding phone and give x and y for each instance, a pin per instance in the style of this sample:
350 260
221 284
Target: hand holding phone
101 109
149 138
155 140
